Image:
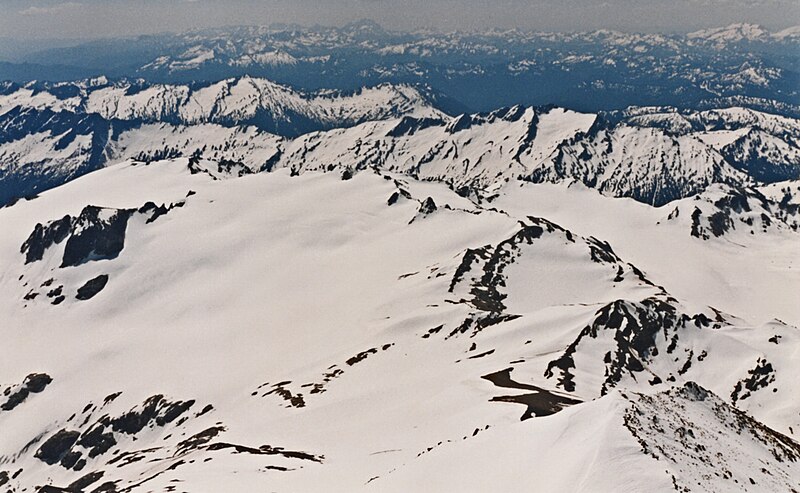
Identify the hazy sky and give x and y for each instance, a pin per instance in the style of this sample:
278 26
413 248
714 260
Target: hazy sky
40 19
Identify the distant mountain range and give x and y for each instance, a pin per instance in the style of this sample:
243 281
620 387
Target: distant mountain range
593 71
52 133
340 260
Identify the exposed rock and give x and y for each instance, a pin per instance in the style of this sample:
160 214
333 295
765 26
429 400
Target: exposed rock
704 441
636 325
540 402
83 482
200 439
97 234
57 446
758 378
45 236
92 287
34 383
428 206
155 409
97 440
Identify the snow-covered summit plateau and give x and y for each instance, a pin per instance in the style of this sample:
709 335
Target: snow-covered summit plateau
189 325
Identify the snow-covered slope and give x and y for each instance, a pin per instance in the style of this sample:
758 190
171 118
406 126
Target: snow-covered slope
677 440
722 210
186 325
737 272
248 146
43 149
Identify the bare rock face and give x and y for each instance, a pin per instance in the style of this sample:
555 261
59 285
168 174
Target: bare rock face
92 287
45 236
57 446
33 384
98 233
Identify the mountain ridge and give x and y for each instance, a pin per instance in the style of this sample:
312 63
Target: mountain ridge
655 155
591 71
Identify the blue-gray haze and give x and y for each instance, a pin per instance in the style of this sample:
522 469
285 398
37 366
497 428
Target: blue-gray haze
52 19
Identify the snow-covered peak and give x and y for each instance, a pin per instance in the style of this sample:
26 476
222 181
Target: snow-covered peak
788 34
275 107
733 33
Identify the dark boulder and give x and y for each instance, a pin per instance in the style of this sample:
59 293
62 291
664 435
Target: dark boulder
92 287
15 399
57 446
428 206
36 382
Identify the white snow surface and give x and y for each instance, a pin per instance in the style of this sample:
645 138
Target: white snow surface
349 320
